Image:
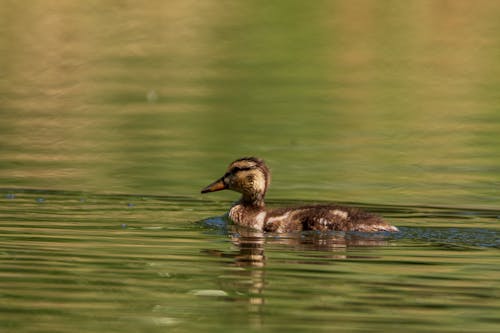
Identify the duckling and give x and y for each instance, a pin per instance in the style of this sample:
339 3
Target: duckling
251 177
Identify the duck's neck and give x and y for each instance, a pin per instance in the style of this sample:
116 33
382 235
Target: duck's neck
255 200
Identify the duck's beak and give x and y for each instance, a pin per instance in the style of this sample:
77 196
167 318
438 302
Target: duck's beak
218 185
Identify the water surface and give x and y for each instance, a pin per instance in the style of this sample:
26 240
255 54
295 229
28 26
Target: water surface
114 114
77 261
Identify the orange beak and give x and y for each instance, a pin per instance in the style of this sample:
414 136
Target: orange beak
218 185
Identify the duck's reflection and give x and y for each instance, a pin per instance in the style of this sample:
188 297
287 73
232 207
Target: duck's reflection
250 244
250 257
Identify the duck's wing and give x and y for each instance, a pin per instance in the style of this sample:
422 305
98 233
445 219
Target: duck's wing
323 218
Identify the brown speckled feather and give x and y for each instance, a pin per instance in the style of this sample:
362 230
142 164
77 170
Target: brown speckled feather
323 218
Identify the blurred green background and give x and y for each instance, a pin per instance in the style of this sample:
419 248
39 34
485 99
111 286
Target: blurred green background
387 102
114 114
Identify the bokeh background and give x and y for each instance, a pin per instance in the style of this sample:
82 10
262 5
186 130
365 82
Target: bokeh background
115 113
387 102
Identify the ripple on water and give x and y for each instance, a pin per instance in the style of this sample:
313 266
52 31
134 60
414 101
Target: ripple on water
102 265
475 237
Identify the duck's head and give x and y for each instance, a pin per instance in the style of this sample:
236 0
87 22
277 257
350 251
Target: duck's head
249 176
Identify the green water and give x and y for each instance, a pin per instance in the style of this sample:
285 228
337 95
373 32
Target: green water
114 114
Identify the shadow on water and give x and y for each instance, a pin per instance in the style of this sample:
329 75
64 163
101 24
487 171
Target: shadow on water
451 237
445 236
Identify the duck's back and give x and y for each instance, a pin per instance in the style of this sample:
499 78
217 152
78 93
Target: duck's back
323 218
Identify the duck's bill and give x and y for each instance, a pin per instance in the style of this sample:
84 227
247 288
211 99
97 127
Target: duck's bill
218 185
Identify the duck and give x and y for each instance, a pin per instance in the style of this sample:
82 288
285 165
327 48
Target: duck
251 177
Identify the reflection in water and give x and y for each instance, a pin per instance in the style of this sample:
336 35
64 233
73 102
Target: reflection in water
317 248
251 244
250 279
251 257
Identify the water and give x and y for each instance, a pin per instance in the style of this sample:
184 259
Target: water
77 261
114 115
